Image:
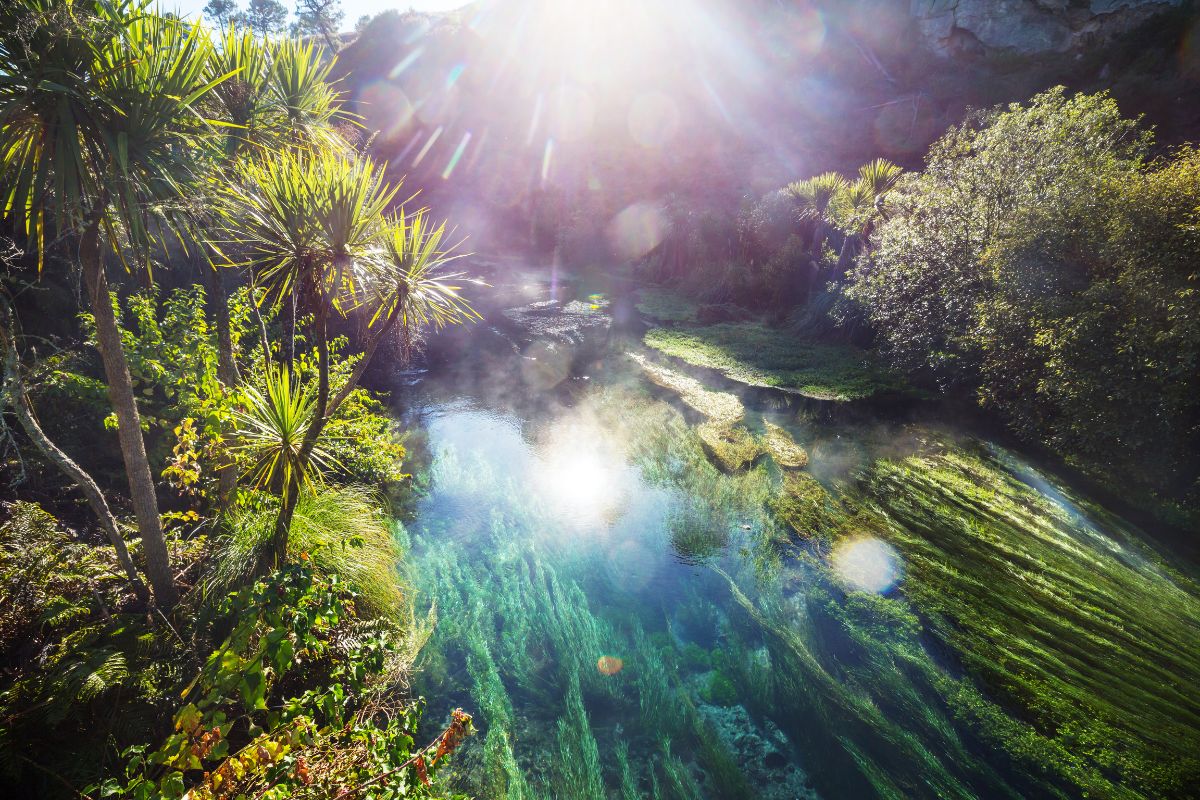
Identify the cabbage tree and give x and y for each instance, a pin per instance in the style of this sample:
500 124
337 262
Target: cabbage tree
98 134
311 227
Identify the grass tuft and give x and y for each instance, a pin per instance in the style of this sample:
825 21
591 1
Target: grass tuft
342 531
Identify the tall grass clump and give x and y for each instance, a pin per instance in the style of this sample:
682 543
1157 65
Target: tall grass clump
340 529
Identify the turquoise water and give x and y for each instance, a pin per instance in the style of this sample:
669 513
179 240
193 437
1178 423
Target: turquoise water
625 620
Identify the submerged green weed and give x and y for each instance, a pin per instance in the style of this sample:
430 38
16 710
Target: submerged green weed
783 448
1064 662
754 354
1083 628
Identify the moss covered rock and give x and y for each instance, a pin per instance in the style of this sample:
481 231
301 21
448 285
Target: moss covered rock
730 447
718 407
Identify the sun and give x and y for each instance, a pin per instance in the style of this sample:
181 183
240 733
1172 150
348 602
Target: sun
594 42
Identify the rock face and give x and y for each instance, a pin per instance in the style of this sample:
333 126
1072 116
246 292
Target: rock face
1028 27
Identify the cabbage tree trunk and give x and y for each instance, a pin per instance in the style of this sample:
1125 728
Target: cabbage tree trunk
23 410
227 372
129 423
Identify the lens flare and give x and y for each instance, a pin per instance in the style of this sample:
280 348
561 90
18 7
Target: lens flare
387 109
609 665
547 160
801 37
1189 53
458 154
428 146
637 230
406 62
572 113
579 476
867 564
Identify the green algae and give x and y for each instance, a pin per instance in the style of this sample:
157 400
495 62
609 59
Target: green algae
529 636
805 507
732 448
1091 635
579 758
1094 640
719 407
694 537
1034 689
719 690
1085 748
628 782
726 441
757 355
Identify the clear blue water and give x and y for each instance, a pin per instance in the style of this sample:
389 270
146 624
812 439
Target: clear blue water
625 620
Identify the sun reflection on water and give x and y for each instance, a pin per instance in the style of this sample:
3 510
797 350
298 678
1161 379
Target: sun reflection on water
579 475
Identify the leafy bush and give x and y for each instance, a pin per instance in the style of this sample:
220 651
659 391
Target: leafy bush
172 353
76 657
1042 262
298 701
42 567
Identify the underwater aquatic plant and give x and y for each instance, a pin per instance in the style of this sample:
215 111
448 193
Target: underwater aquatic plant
719 690
753 354
783 448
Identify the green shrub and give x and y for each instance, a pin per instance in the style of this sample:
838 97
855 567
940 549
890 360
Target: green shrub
1042 262
77 656
298 701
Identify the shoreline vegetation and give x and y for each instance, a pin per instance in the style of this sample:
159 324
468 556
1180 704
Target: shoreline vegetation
258 639
218 578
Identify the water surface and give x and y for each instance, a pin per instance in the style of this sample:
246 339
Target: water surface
918 613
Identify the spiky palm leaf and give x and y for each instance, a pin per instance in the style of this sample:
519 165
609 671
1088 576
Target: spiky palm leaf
302 94
814 195
858 197
271 429
412 281
880 176
244 101
98 115
308 221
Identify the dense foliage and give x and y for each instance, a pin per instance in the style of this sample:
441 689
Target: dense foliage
268 656
255 730
209 599
1046 260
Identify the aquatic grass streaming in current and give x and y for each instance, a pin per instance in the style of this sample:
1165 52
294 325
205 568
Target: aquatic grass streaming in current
752 353
627 619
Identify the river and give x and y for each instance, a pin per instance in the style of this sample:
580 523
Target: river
915 612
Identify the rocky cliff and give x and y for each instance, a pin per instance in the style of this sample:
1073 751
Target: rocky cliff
1029 27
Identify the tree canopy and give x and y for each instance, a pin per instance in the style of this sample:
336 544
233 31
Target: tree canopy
1046 260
